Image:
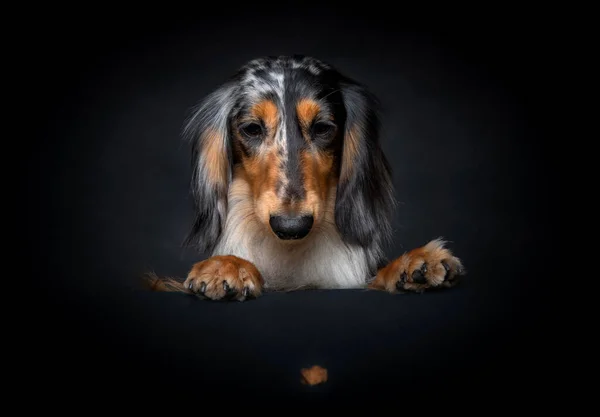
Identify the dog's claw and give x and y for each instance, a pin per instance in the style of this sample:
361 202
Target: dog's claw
418 275
226 286
202 288
447 268
401 282
246 291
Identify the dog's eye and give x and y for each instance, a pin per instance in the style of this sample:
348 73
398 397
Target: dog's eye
251 130
323 128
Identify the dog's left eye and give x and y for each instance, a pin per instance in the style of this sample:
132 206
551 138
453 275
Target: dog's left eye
251 130
323 129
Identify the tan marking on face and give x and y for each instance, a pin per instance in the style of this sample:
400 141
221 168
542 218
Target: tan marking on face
262 170
307 110
262 173
266 111
317 168
349 153
215 158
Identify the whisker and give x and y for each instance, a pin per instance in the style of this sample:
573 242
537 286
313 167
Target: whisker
328 94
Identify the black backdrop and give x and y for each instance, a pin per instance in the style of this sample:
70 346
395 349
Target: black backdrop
461 127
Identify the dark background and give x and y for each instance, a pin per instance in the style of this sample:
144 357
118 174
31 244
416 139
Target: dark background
108 200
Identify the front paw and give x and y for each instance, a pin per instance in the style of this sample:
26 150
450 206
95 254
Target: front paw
430 266
224 278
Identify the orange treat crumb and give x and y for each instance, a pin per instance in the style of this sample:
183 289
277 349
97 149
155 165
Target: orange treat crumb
313 376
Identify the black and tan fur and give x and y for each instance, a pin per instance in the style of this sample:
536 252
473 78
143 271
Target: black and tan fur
292 189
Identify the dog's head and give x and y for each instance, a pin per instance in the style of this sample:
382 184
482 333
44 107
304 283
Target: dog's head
305 139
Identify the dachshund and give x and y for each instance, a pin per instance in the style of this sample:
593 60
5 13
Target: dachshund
292 189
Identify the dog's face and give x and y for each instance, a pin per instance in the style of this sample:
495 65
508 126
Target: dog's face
297 132
286 136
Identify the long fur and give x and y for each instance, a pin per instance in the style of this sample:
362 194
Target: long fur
365 200
346 248
321 260
209 122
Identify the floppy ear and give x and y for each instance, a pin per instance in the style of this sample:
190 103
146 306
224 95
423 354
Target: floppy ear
208 130
364 200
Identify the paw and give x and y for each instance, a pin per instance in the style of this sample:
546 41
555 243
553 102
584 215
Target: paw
427 267
224 278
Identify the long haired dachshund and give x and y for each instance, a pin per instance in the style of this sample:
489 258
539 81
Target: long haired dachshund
292 189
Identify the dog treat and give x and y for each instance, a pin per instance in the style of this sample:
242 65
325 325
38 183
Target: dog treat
313 376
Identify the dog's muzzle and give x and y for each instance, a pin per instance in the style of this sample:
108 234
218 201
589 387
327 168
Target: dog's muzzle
288 228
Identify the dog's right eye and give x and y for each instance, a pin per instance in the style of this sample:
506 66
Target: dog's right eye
251 130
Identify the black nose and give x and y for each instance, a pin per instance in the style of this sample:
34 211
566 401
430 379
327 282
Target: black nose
291 227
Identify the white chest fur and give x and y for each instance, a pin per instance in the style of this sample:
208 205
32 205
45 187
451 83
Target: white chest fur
320 260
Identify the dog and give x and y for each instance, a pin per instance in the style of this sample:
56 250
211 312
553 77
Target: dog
292 189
